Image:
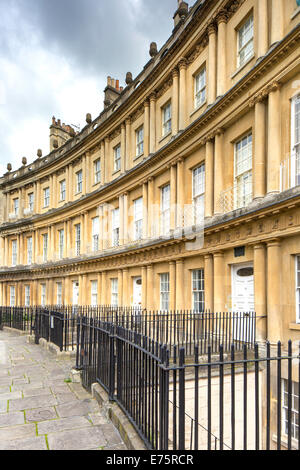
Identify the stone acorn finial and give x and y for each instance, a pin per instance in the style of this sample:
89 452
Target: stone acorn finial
24 161
39 153
55 143
88 118
9 167
153 49
129 78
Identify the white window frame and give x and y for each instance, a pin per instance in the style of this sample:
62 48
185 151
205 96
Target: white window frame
199 193
295 142
243 44
29 250
138 219
27 296
243 191
115 225
12 296
79 181
198 292
14 252
164 281
294 409
139 133
59 299
62 191
165 214
117 158
16 206
94 293
167 119
31 202
45 247
61 243
43 295
114 292
77 239
46 197
200 87
95 233
97 171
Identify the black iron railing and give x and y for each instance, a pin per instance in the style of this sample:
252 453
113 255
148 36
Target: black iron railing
229 401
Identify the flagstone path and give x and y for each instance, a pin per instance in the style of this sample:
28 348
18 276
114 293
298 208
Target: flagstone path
41 409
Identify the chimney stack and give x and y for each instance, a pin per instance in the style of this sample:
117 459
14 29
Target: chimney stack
112 91
59 134
180 14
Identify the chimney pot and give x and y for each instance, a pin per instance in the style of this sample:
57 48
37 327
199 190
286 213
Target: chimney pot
117 84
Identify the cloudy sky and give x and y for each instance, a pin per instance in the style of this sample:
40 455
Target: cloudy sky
55 56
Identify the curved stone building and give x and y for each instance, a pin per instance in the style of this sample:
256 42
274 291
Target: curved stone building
184 192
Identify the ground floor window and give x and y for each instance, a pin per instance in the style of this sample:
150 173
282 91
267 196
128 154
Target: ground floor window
294 409
43 294
198 290
164 291
114 292
12 296
94 293
27 296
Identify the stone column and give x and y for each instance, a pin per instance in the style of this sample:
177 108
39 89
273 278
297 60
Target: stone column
260 294
180 288
152 123
173 196
212 63
123 148
274 140
106 160
38 197
150 207
259 160
144 287
104 287
128 143
172 269
182 94
277 20
145 210
89 170
263 28
125 218
209 179
209 282
221 57
146 128
120 288
84 174
274 288
122 221
6 250
180 194
150 292
18 249
126 289
175 102
219 285
218 171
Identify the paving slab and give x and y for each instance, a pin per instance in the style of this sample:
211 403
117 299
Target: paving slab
40 409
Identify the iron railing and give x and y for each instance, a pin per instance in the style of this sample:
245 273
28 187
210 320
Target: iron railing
232 401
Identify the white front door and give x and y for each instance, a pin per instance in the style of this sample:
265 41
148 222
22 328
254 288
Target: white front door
243 302
137 292
75 293
243 288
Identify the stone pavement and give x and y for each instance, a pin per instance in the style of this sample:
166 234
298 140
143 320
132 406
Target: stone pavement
41 409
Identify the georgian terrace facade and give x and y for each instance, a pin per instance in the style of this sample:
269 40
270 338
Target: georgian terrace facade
184 192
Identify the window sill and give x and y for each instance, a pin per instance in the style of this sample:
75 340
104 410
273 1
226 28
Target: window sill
165 136
138 156
116 171
284 441
198 108
243 66
296 12
294 326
